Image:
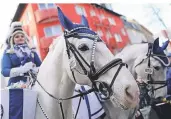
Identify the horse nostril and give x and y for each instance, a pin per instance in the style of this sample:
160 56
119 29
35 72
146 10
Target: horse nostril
129 93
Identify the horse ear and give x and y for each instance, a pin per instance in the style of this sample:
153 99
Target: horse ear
156 45
65 22
84 21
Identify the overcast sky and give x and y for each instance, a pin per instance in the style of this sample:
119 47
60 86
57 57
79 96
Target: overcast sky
144 15
7 12
140 12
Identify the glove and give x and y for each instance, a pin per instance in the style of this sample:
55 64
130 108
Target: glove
28 66
35 70
19 71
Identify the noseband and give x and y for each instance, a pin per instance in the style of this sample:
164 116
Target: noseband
92 74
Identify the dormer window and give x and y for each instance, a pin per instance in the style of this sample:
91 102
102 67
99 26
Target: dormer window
92 13
80 10
46 5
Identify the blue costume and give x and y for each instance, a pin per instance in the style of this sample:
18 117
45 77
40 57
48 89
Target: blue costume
168 73
18 59
10 61
168 77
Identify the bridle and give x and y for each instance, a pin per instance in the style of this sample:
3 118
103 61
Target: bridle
145 99
92 73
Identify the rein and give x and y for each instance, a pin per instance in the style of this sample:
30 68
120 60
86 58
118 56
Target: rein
92 74
59 100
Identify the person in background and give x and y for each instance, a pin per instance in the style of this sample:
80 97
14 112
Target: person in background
168 76
168 73
18 58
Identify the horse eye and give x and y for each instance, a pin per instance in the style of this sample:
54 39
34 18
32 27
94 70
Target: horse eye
156 68
83 47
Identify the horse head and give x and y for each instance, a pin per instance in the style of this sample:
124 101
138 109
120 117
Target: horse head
150 66
89 62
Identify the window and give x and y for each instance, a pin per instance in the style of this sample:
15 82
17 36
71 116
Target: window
51 5
99 32
46 6
34 40
102 17
53 31
108 35
109 6
123 32
118 38
28 17
112 21
80 10
42 6
92 13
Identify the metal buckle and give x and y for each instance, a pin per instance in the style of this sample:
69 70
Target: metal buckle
149 70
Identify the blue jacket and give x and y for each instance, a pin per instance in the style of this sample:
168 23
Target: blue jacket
10 61
168 76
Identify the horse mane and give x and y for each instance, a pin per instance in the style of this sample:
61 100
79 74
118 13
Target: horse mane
144 42
54 42
136 49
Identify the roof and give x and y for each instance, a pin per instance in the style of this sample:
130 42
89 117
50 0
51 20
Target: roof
18 12
146 29
100 6
131 25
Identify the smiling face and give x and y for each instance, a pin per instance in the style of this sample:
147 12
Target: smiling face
19 38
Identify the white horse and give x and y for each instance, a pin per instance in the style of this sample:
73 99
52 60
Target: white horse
137 58
79 56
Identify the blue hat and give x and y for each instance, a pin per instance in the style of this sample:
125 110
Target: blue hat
69 25
159 52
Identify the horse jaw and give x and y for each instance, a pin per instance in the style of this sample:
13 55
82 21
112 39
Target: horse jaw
126 91
157 76
123 84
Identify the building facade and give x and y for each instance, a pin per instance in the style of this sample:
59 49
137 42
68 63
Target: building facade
136 32
41 23
148 35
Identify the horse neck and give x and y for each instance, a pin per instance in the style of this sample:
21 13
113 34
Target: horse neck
130 53
54 78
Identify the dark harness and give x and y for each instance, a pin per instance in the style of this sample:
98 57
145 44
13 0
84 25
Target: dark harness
145 98
91 73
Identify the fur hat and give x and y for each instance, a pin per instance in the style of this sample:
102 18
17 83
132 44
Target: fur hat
16 27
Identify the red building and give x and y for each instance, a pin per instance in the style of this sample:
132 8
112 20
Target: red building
41 23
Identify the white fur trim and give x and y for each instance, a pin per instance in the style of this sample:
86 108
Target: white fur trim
16 24
162 61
